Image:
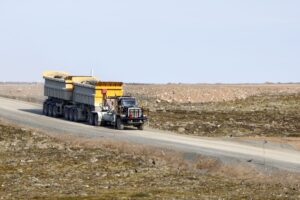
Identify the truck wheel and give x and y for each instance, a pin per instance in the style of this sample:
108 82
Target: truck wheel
50 110
45 109
140 127
96 120
103 123
71 115
120 125
90 119
76 117
66 113
55 111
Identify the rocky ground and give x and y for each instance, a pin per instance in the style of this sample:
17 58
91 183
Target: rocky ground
264 115
201 93
36 166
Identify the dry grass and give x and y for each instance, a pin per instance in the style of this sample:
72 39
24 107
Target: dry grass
172 158
49 166
265 115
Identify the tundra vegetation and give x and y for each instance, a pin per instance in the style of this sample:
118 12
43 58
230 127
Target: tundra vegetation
263 115
36 166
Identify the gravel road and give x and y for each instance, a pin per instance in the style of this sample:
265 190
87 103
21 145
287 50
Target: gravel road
263 154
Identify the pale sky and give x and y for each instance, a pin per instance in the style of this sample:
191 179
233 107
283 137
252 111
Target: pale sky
152 41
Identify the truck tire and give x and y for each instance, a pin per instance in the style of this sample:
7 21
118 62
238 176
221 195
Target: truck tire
66 114
96 120
103 123
90 119
45 109
119 125
50 110
71 115
76 117
54 111
140 127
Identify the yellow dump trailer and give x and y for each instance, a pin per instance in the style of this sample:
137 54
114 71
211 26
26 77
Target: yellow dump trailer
60 85
95 93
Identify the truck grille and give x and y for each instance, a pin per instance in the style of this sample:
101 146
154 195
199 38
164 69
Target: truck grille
134 112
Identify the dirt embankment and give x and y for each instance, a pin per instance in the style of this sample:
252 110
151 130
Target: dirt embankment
35 166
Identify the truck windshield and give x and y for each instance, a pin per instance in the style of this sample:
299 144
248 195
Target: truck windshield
128 102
